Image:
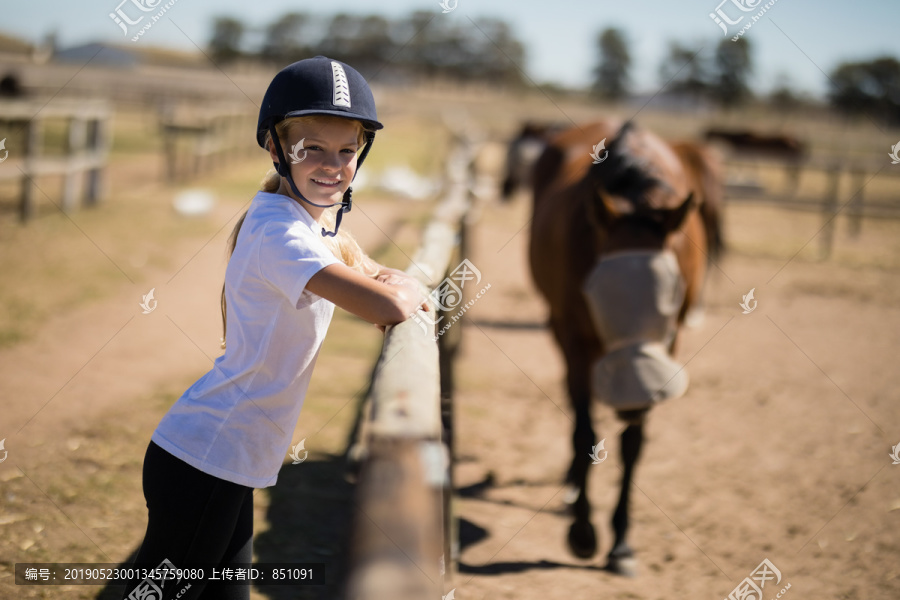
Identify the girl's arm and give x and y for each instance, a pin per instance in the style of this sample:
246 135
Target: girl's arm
389 298
379 270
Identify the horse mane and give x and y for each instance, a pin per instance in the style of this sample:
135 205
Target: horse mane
628 176
623 174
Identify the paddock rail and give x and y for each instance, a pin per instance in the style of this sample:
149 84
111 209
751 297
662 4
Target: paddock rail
400 535
31 151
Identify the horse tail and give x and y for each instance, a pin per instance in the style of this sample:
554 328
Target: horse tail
706 174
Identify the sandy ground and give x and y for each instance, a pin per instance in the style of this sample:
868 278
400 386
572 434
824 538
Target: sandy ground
779 450
82 394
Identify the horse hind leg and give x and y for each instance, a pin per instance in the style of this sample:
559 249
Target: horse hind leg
621 558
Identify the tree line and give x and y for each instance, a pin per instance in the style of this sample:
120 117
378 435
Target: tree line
414 46
722 75
423 45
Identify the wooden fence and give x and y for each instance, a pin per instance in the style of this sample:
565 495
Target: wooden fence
80 157
839 173
401 535
198 137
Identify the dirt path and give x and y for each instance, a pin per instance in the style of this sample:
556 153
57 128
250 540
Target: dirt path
110 351
81 395
779 450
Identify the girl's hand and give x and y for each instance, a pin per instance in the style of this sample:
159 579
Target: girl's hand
395 277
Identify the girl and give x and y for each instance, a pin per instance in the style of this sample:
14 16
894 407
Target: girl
231 430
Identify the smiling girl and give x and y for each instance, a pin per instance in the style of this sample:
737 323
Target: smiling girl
229 432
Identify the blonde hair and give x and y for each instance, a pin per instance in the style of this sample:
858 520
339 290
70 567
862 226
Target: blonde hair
343 245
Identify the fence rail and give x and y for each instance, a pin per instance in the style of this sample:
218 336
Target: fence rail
861 203
399 538
82 156
197 138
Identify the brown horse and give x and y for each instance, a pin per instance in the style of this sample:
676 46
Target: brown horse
619 248
749 145
523 152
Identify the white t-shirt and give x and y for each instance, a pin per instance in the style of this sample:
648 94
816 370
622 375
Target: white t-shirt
236 422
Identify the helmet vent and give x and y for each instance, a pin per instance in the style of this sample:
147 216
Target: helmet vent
341 87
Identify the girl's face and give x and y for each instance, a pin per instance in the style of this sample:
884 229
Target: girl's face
323 165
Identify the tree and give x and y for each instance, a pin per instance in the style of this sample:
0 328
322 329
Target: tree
483 50
374 43
871 88
733 65
285 41
685 71
225 44
417 45
611 78
489 52
783 98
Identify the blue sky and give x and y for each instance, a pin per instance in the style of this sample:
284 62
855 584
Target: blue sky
795 40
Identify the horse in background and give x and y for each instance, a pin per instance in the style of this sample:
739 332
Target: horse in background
619 248
746 144
523 152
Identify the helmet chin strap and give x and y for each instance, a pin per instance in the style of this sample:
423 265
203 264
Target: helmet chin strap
346 202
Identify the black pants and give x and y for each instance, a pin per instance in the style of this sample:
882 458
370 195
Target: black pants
193 519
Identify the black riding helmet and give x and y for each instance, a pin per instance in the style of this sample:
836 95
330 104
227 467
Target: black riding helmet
317 86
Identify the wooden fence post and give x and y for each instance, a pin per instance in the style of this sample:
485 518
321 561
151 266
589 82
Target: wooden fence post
858 182
77 137
829 209
399 547
98 138
34 133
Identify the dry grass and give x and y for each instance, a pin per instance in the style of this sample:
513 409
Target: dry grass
83 498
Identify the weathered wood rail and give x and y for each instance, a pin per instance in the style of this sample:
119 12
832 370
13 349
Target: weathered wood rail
401 533
198 137
839 173
80 157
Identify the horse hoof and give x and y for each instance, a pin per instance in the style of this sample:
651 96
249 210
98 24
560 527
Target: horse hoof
625 566
582 540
